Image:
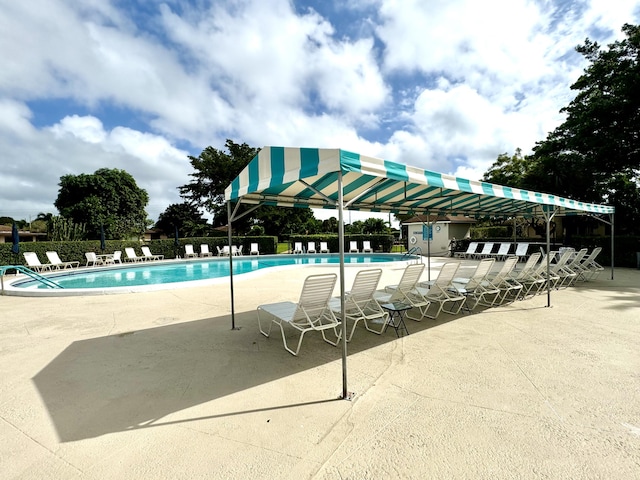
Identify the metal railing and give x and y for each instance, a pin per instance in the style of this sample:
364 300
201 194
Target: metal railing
28 272
414 251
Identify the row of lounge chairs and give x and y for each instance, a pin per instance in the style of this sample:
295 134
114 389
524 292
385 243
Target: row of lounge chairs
55 263
311 247
92 259
317 310
489 250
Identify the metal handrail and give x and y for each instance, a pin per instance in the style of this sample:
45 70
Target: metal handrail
414 251
30 273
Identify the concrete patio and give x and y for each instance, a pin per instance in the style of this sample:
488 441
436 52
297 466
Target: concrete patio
157 385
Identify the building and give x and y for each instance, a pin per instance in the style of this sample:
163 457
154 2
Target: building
433 234
25 235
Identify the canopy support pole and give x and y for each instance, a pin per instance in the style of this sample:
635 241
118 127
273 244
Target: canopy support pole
233 310
346 395
611 216
547 218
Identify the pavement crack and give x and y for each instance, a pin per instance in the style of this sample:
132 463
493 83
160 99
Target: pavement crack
33 440
524 374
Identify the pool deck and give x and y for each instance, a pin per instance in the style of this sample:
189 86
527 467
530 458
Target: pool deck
157 385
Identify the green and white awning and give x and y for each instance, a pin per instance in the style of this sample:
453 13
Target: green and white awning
311 177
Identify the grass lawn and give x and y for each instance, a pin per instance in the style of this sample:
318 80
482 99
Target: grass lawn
282 247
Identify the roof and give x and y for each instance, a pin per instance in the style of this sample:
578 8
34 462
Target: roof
311 177
439 218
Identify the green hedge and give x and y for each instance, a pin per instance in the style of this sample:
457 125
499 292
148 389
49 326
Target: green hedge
74 251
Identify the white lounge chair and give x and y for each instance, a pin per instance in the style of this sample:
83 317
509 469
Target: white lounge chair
297 247
236 251
366 247
116 258
549 277
311 247
54 260
224 252
204 250
509 289
406 291
560 270
254 249
324 248
574 267
590 267
33 262
441 292
521 251
92 259
360 304
485 252
471 250
502 253
528 277
476 287
353 247
310 313
188 251
150 256
131 255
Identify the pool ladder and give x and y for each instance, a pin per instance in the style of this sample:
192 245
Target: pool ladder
28 272
414 251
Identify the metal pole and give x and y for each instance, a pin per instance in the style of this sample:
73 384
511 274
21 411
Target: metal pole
429 237
233 312
612 246
547 217
343 315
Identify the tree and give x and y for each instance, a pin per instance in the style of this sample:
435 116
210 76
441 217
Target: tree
215 170
64 229
374 225
186 217
593 155
506 170
108 197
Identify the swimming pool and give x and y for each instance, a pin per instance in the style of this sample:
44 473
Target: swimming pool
145 276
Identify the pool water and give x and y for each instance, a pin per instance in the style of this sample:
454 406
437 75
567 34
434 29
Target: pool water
161 273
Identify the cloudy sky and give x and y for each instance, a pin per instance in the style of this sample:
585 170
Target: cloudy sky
139 85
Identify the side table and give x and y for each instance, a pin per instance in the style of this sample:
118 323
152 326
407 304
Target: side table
396 316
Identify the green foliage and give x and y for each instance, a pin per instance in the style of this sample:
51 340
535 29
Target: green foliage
493 232
509 171
593 155
186 217
108 197
369 226
213 172
256 231
64 229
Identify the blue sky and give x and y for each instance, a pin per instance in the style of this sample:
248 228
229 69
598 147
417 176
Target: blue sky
139 85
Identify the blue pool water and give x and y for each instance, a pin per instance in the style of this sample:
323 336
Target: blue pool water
161 273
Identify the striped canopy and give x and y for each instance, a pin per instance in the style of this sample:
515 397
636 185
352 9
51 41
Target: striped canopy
310 177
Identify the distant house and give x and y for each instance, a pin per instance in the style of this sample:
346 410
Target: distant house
25 235
433 233
154 234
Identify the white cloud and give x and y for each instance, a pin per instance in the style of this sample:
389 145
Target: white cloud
445 84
